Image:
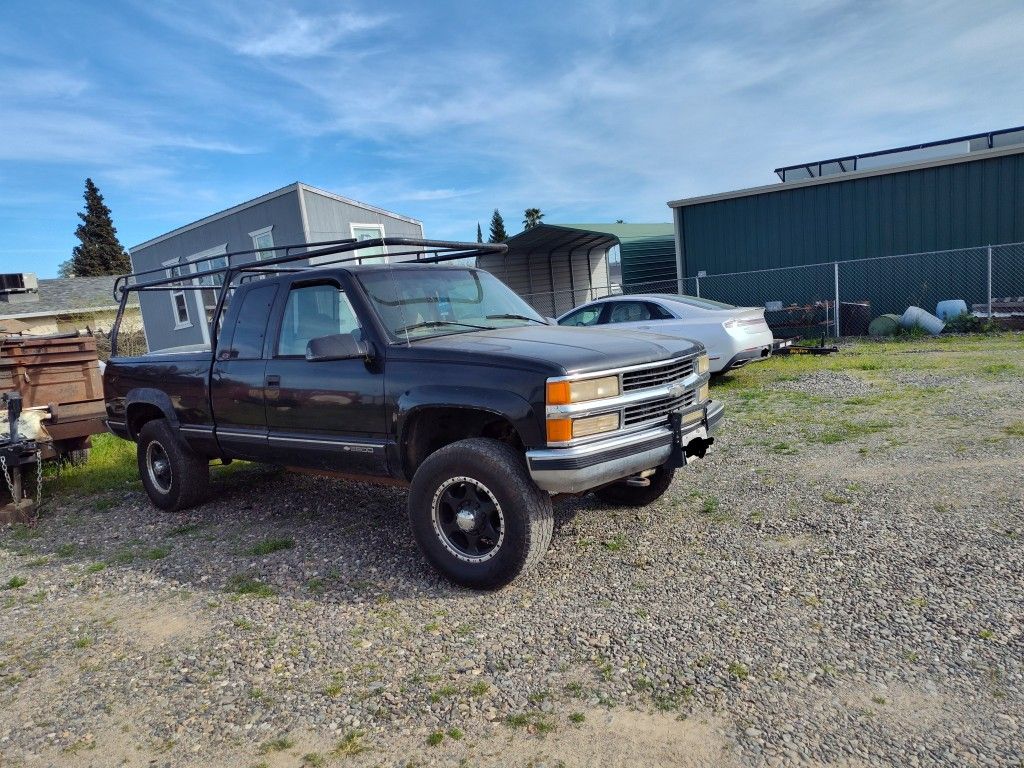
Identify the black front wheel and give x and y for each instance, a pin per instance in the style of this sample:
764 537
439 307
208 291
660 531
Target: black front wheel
638 492
477 515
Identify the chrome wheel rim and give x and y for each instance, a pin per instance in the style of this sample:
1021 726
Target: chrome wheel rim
158 466
468 519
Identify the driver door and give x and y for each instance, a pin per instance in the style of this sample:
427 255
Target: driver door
327 414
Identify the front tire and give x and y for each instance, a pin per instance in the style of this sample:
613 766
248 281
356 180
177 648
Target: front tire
477 515
623 494
174 477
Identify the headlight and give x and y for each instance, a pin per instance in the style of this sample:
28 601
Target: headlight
593 425
563 430
703 365
703 393
565 392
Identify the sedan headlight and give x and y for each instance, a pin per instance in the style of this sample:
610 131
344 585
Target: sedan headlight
703 365
566 392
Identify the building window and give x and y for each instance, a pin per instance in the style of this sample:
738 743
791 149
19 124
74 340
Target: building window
204 261
263 238
179 304
377 254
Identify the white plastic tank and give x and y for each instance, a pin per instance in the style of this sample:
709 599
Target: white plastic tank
951 308
915 316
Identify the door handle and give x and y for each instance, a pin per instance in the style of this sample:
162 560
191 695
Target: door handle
273 380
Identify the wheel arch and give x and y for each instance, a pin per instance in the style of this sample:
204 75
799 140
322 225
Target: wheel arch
427 427
144 405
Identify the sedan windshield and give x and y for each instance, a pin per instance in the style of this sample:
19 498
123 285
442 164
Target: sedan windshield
435 301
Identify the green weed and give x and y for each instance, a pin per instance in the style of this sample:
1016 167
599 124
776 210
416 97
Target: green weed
350 745
241 584
280 744
269 546
739 670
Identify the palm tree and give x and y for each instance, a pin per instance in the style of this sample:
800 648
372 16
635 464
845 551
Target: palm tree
531 218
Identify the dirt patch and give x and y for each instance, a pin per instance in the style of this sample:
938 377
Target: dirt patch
160 623
900 707
618 739
623 738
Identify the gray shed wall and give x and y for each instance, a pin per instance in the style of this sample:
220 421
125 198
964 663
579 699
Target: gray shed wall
326 217
331 219
281 212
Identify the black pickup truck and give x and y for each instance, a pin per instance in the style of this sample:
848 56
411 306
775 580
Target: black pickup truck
434 375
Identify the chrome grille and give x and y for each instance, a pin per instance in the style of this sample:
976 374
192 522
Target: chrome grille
657 376
656 409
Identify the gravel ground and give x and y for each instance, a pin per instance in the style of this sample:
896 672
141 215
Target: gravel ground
840 582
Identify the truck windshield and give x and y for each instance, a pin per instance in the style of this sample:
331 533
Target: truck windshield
435 301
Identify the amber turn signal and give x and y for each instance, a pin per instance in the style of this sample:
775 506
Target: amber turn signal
559 430
559 393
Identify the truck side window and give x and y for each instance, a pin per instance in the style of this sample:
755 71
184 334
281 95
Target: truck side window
245 339
313 311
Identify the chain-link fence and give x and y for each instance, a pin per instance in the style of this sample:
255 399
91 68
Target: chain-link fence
802 300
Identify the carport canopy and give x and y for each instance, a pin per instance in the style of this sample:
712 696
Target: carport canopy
555 267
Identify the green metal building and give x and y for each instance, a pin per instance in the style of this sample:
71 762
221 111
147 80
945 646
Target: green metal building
966 192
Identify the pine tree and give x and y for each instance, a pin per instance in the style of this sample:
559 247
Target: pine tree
479 233
100 252
498 233
531 218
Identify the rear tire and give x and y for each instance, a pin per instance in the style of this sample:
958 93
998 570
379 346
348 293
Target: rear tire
624 495
477 515
175 478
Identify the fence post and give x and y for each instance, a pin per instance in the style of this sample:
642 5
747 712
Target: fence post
989 291
835 266
697 282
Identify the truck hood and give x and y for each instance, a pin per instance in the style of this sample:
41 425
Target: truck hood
567 350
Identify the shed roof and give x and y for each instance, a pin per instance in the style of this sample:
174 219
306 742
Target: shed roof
559 238
68 296
839 178
297 186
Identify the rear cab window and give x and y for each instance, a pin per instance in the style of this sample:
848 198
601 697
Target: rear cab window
243 340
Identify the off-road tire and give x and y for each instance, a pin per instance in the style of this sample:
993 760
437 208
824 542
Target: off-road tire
623 495
189 474
525 509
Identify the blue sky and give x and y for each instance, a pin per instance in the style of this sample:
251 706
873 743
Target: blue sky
445 110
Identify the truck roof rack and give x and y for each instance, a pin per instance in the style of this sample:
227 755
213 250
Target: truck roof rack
347 251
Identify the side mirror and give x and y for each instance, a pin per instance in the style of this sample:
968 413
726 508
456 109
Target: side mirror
337 346
550 321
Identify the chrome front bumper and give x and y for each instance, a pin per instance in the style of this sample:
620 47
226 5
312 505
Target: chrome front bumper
581 468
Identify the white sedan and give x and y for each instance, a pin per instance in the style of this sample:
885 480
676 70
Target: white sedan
733 336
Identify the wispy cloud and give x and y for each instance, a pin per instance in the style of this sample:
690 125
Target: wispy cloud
445 110
301 36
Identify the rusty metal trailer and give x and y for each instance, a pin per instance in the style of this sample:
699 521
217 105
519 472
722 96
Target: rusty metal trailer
55 379
60 372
